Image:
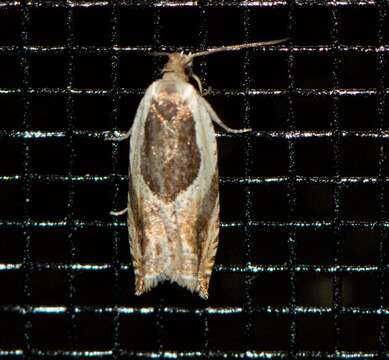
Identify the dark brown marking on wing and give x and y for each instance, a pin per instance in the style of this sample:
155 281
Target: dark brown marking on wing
170 158
207 246
205 211
136 213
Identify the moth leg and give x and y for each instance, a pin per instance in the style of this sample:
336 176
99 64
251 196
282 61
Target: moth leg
119 138
215 118
118 213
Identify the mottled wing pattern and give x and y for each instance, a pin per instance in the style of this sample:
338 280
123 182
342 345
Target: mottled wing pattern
173 210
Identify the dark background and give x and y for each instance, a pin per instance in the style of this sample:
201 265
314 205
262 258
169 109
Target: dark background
303 252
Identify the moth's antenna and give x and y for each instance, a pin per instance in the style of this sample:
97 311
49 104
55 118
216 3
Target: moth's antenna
237 47
160 53
225 48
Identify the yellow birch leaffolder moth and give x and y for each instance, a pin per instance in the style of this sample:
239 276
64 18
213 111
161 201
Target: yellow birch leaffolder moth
173 182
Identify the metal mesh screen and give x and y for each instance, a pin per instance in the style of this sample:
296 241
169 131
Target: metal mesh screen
302 265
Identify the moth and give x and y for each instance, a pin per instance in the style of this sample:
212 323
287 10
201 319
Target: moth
173 182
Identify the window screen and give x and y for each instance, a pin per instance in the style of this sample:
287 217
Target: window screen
302 265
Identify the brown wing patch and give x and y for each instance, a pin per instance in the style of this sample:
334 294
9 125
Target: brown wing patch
137 241
134 204
206 208
170 158
208 229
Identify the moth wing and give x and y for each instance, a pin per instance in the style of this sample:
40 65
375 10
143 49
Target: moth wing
205 192
174 237
135 198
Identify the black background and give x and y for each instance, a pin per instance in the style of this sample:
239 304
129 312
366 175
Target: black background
303 198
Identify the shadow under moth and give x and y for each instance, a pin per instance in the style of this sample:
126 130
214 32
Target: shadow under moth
173 185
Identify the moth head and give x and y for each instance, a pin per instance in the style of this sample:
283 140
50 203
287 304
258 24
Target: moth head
179 63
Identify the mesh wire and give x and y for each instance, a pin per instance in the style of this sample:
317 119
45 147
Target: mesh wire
56 304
